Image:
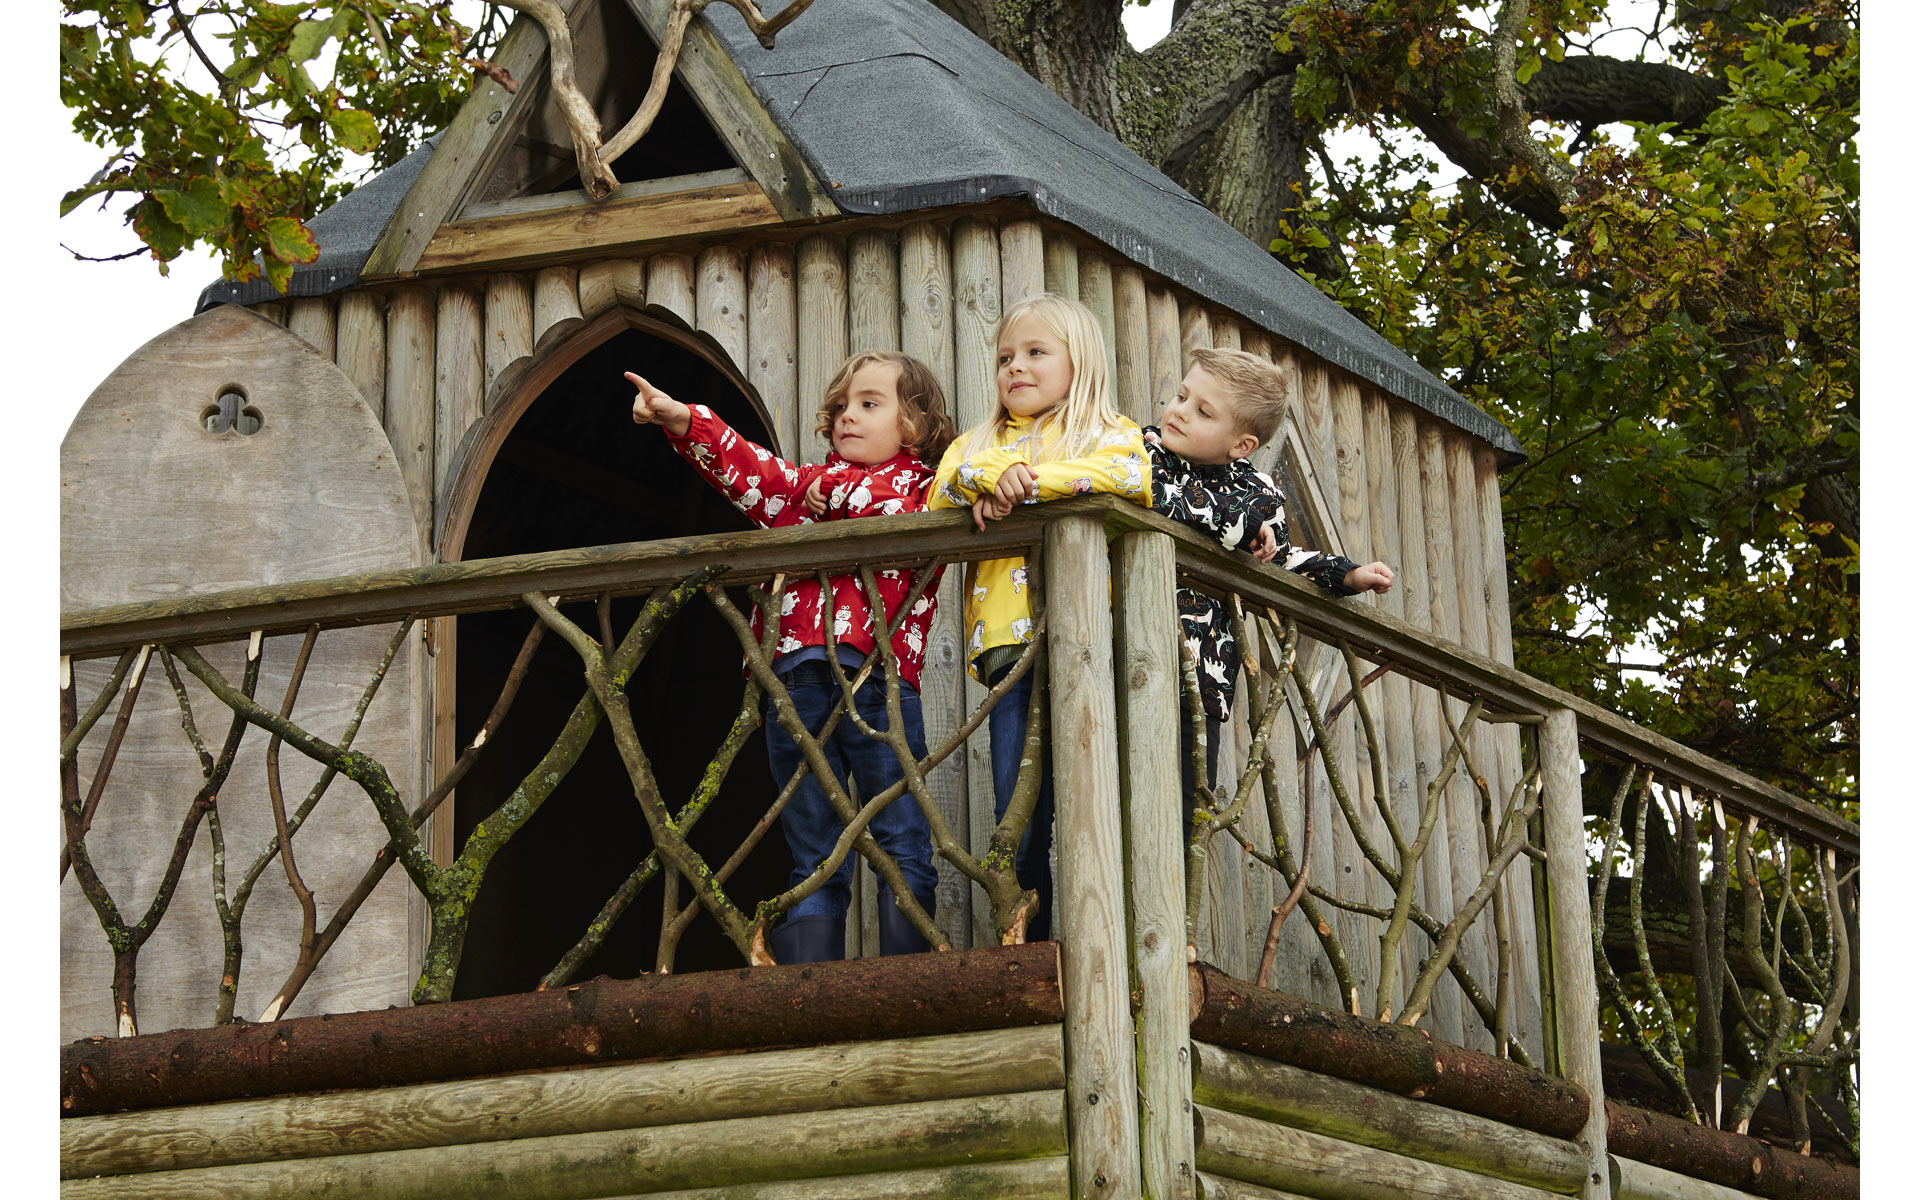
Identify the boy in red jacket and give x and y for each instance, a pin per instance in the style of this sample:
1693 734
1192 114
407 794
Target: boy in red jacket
888 420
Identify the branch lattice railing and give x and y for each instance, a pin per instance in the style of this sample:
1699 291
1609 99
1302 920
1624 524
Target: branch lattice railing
671 575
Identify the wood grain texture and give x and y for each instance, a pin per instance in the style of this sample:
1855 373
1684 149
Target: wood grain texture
1101 1075
360 346
926 299
556 305
1163 346
824 343
670 284
1226 331
312 320
720 300
1299 1099
1133 347
410 418
774 345
1096 292
1640 1181
553 235
273 310
618 1162
599 290
1061 269
1029 1179
1196 328
153 507
581 1100
1233 1146
1148 672
1023 262
458 374
1213 1187
873 290
509 324
1575 990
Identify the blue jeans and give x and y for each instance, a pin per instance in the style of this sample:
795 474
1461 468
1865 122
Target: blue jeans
812 827
1007 735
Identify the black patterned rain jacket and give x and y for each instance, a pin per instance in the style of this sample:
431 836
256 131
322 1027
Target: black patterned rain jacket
1231 502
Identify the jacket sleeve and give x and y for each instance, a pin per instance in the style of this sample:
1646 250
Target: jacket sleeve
962 479
760 483
1118 465
1329 571
1231 509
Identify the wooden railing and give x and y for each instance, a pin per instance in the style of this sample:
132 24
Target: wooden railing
1395 734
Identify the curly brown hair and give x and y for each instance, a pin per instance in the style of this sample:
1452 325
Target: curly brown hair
925 427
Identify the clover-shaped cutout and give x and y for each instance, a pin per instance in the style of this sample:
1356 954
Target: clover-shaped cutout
231 412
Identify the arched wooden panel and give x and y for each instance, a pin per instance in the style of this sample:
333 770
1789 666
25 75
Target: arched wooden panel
156 505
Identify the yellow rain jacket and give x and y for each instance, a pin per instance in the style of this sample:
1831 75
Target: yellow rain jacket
997 610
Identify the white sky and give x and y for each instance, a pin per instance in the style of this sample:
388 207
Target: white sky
71 323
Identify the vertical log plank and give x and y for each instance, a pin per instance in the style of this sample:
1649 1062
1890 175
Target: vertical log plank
458 375
597 287
1103 1112
1448 1016
1148 672
773 344
1096 292
873 291
556 304
1062 269
1575 990
509 324
360 347
630 282
1133 347
1226 332
1493 548
1167 361
976 308
1256 341
1463 803
273 310
926 299
1196 329
1226 915
313 320
670 284
410 323
720 300
822 268
1023 262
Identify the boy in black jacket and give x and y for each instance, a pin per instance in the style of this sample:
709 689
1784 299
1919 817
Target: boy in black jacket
1229 404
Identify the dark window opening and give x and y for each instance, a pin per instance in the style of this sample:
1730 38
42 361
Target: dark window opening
576 471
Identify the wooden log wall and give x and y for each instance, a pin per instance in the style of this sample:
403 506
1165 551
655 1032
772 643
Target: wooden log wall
1395 483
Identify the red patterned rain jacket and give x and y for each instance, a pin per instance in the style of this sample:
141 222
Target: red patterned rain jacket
771 491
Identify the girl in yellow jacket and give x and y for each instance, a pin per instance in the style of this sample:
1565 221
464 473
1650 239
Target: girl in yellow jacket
1054 434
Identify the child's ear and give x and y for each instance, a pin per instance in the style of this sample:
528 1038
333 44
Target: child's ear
1242 446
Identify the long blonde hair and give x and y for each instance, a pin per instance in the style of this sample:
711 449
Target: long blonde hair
1072 427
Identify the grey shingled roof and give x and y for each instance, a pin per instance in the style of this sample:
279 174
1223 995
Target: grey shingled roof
898 108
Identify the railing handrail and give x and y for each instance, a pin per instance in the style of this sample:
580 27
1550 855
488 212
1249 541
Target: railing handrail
753 556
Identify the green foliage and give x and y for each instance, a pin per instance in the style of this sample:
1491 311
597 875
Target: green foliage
228 122
1680 360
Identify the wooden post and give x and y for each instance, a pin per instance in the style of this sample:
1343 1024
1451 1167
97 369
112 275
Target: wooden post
410 322
1428 734
609 282
873 291
670 284
509 324
1576 995
1196 329
313 320
1062 265
1226 332
1096 292
1163 341
1133 348
458 375
1148 670
1102 1111
926 299
360 347
822 269
273 310
720 300
556 305
773 346
1023 262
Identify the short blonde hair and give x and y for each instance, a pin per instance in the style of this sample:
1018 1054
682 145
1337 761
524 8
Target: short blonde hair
1257 392
925 427
1087 412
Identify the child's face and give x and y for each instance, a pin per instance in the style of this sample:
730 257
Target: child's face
866 429
1198 425
1035 369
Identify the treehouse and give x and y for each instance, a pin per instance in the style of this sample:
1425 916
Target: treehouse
379 573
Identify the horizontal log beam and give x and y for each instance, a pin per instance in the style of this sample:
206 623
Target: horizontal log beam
709 1154
1034 1179
1729 1159
1213 1187
1393 1058
1274 1091
1638 1181
1236 1147
607 1020
583 1100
